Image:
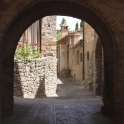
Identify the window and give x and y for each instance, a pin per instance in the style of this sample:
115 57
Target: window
67 46
77 57
81 57
88 55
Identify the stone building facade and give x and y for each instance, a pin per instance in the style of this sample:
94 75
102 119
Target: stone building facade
68 46
32 34
43 34
94 59
17 15
81 57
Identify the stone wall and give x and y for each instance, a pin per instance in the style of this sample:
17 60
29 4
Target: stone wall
76 68
48 35
35 78
89 53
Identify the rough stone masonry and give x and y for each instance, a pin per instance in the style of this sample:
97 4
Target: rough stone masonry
35 78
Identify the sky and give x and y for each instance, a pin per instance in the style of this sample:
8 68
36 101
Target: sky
70 21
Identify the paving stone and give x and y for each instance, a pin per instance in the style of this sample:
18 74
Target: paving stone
68 108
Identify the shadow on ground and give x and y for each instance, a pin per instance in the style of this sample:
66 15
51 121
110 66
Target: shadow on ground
46 111
74 105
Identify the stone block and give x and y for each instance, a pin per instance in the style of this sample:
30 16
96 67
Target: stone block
53 48
52 43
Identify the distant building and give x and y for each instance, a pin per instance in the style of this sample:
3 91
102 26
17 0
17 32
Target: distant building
79 57
68 48
43 34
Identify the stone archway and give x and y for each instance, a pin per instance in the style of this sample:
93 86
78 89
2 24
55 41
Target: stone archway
39 10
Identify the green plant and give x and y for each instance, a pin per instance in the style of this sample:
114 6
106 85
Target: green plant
81 24
89 83
76 26
58 35
27 51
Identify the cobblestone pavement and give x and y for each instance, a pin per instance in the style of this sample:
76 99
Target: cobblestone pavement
71 109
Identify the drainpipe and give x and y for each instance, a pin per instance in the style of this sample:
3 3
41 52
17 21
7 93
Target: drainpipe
40 32
83 54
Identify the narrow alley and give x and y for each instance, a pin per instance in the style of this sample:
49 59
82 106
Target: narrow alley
73 104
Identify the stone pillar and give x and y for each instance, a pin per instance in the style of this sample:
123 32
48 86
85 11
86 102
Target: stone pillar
108 96
51 77
7 83
0 79
119 90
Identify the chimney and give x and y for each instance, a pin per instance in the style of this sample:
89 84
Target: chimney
64 29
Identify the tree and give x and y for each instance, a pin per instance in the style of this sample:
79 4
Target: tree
58 36
76 26
81 24
63 20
